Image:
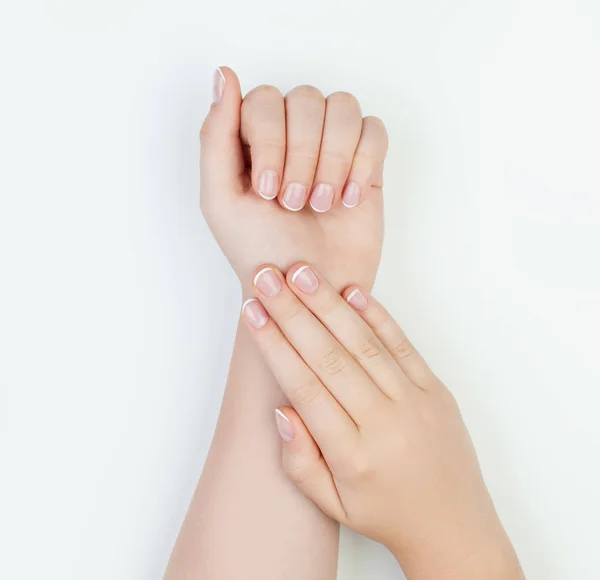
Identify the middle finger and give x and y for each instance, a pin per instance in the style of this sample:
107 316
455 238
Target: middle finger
329 360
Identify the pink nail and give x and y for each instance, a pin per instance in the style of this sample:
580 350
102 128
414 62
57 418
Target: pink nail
218 85
268 184
322 197
286 431
294 197
255 314
357 299
305 279
351 195
268 282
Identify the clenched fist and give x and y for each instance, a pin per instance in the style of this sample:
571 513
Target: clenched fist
293 178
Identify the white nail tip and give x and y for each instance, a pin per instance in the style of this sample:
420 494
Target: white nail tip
347 205
221 73
319 210
280 414
288 207
353 293
298 272
258 275
248 302
265 197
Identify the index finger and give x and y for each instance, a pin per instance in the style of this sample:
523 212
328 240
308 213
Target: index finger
330 425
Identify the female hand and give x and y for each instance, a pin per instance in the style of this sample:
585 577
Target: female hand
291 178
374 438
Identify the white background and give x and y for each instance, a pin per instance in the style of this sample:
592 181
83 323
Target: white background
117 310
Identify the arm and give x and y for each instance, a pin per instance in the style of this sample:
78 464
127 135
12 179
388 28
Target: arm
279 181
247 520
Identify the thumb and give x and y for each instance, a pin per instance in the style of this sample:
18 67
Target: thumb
305 466
221 157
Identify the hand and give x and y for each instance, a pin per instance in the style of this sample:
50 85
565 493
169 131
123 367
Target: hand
287 149
375 440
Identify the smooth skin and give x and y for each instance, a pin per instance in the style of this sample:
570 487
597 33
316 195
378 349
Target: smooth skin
246 519
254 149
372 436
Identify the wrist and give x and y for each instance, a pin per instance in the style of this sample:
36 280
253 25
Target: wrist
493 559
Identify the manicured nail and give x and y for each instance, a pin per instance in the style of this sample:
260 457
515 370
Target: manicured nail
305 279
351 195
268 184
286 431
254 313
268 282
322 197
218 85
294 196
357 299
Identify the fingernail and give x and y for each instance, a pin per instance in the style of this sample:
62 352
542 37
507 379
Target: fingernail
322 197
286 431
254 313
357 299
294 197
268 184
351 195
218 85
268 282
305 279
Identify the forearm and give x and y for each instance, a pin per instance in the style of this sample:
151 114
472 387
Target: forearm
246 519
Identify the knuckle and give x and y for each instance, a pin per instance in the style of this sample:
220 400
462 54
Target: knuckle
363 162
402 349
305 392
376 123
205 130
344 99
336 158
306 92
290 312
302 152
332 362
268 142
298 474
360 466
371 348
262 92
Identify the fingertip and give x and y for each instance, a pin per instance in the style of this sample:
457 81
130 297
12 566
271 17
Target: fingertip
297 439
356 297
284 425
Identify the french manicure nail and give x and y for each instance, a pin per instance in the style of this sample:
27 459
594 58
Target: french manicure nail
351 195
268 282
322 197
286 431
357 299
305 279
268 184
218 85
294 197
254 312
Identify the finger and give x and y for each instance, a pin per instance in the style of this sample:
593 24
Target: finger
305 112
393 337
263 129
221 158
367 165
341 132
348 328
335 367
305 466
330 425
